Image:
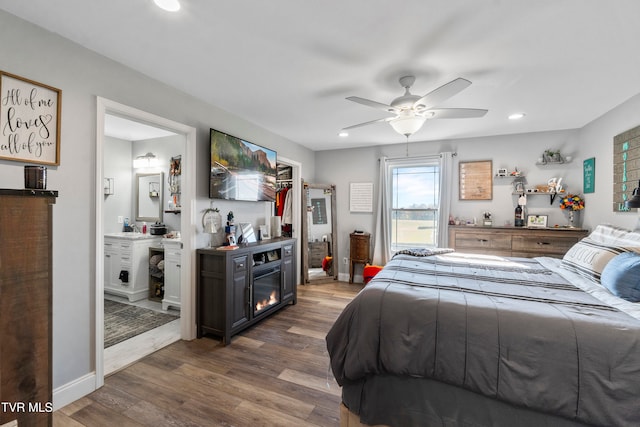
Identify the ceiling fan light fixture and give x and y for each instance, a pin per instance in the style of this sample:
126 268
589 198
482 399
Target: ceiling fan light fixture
407 125
343 134
168 5
516 116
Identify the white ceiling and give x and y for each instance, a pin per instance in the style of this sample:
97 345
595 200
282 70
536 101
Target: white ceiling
287 65
129 130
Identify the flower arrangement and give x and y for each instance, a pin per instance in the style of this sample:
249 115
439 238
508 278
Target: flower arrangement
572 202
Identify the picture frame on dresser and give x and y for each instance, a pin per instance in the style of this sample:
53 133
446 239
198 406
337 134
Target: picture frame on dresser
537 221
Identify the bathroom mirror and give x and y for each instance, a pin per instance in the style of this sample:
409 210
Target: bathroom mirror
149 196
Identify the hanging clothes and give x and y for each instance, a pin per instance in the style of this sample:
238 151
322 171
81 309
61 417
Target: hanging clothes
287 210
280 200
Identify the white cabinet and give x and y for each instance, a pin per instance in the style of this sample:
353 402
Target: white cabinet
126 264
172 272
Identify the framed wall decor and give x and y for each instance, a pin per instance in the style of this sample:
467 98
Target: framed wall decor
589 175
29 121
538 221
475 180
361 197
626 167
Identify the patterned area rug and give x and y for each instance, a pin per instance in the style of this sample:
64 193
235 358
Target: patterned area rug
123 321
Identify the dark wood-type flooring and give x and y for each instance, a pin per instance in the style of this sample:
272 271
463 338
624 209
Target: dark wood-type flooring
276 373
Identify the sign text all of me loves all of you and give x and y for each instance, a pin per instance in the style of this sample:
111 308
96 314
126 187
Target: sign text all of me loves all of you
29 121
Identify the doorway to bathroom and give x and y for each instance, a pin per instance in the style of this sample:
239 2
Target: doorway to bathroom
135 227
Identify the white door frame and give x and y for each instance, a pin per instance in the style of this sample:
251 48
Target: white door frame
187 221
296 204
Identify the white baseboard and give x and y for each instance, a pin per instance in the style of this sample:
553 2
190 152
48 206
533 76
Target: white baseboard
344 277
74 390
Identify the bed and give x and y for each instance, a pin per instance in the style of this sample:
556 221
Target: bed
441 338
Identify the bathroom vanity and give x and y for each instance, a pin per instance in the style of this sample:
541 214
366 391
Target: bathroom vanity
126 264
172 267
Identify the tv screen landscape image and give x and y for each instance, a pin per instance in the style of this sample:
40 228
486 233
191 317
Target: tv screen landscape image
241 170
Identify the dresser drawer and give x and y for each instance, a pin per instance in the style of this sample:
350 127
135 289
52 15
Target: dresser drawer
543 245
471 240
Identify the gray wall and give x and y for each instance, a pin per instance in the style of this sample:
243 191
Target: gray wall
117 165
36 54
341 167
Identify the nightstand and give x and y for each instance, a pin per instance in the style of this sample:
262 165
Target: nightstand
358 251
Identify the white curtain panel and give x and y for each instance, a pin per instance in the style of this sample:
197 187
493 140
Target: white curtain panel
382 239
446 186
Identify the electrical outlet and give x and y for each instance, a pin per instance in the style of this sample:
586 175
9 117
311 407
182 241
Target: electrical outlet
345 260
120 219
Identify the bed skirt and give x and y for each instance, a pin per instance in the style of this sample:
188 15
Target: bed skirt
349 419
404 402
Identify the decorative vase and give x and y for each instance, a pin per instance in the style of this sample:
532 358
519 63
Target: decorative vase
574 219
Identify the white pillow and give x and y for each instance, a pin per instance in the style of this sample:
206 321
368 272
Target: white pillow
615 236
589 257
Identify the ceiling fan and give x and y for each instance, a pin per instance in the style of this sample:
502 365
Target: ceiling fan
411 111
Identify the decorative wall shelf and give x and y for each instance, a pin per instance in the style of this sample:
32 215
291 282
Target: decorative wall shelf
552 195
557 159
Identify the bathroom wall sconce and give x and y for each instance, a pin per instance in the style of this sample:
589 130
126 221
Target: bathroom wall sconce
154 189
108 186
148 160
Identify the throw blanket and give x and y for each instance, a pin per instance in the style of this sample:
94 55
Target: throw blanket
509 329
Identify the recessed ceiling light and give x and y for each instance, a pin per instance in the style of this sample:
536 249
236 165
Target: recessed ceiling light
168 5
343 134
516 116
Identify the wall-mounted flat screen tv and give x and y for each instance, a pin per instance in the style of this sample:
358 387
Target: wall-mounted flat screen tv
241 170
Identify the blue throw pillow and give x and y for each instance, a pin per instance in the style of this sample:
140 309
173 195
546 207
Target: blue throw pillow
621 276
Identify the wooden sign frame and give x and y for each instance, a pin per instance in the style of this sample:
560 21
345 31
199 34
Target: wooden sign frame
475 180
626 167
29 120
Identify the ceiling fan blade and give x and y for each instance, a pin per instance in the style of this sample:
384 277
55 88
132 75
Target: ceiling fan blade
373 104
454 113
442 93
369 123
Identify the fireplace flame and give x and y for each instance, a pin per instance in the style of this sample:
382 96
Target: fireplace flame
261 305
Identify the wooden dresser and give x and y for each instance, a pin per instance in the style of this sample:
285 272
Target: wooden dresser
317 252
359 244
25 306
514 241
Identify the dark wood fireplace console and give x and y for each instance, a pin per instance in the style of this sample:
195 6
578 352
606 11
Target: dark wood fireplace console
237 288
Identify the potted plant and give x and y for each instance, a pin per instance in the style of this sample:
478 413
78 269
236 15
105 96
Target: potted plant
552 156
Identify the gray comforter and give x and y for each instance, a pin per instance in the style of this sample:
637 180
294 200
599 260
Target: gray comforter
513 331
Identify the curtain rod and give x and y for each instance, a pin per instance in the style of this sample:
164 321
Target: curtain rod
454 154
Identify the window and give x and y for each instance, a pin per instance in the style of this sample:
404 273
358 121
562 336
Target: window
415 203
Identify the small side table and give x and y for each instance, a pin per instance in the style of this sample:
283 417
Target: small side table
358 251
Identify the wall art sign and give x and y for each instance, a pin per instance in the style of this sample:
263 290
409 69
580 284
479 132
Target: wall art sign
361 197
29 121
626 167
475 180
589 175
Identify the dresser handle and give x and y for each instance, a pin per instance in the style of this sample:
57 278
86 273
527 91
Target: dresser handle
544 243
483 240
